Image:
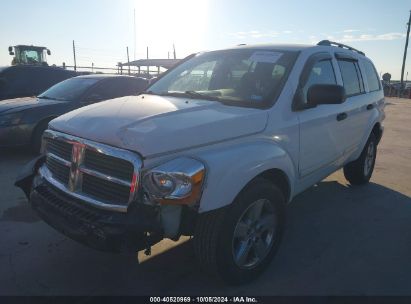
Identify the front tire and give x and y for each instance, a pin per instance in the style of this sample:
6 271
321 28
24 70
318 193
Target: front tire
236 243
359 171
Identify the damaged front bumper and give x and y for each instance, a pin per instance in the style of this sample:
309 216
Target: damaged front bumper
137 229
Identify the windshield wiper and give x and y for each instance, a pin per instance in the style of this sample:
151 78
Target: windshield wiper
148 93
201 95
44 97
191 94
52 98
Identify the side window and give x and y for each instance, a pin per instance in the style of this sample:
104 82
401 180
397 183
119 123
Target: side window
129 86
135 86
321 73
352 77
105 89
372 77
113 88
122 87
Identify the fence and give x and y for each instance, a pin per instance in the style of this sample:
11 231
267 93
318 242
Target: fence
395 90
133 71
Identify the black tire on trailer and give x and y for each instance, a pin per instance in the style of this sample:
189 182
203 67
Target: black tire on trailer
359 172
236 243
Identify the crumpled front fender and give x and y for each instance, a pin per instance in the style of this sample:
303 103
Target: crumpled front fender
25 178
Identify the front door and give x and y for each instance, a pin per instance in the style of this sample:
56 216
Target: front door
321 140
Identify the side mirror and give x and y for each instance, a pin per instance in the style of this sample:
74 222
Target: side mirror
10 49
325 94
48 52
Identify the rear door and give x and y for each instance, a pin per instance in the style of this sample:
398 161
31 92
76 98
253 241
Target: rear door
355 106
375 95
321 140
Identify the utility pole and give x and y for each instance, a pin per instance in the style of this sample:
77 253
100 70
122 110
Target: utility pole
148 67
128 62
174 51
74 54
405 51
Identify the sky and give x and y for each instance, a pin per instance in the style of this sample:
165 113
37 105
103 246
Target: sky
102 29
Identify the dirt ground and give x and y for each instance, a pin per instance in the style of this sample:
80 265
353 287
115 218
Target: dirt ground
339 240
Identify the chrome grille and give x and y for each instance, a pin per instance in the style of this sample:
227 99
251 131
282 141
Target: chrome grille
105 190
60 171
101 175
59 148
110 165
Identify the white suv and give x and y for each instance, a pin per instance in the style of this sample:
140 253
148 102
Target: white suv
214 149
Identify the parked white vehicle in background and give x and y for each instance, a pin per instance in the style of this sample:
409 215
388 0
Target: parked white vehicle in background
214 149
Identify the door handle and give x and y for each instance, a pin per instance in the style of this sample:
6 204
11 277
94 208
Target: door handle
342 116
370 106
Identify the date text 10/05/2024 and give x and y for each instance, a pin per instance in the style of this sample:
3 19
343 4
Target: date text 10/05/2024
203 300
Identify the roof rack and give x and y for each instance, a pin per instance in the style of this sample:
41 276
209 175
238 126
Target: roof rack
332 43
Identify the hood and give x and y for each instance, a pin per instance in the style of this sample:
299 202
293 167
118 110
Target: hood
19 104
153 125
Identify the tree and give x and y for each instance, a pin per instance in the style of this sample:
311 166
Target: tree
386 77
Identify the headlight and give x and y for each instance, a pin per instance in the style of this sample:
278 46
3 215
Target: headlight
10 119
176 182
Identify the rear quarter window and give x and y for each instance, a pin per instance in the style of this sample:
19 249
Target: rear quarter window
352 77
371 76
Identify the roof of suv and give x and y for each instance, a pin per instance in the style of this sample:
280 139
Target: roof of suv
285 47
325 44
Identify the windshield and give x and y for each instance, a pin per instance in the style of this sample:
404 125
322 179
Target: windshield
69 90
243 77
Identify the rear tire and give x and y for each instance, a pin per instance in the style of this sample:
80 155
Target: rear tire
359 171
37 136
236 243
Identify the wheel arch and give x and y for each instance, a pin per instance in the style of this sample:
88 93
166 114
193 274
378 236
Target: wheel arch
231 171
280 179
373 128
43 120
377 130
